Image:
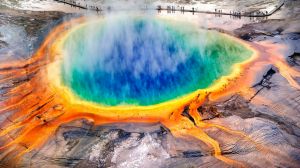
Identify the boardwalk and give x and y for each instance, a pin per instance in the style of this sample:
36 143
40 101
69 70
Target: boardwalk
172 9
71 3
220 12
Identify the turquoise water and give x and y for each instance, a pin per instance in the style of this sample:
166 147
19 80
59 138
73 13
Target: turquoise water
145 60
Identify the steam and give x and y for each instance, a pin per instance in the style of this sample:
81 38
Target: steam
124 44
106 6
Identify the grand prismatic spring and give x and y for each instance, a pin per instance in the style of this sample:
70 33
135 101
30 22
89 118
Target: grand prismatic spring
138 69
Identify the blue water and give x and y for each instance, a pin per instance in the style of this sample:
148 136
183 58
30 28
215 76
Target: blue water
145 61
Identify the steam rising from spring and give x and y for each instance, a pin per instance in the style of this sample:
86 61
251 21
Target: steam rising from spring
144 60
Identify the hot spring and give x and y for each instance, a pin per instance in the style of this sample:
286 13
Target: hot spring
141 60
124 69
